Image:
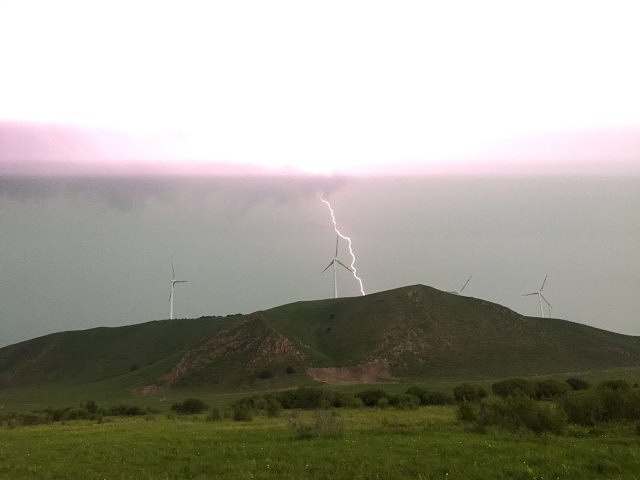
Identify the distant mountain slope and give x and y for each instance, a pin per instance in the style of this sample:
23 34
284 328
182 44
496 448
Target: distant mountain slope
411 333
100 353
423 332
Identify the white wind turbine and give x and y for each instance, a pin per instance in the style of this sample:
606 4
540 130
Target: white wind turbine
540 297
172 294
459 292
334 262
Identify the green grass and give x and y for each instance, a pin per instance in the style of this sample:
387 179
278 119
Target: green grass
427 443
133 354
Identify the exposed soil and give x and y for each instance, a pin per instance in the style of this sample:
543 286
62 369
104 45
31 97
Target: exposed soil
371 372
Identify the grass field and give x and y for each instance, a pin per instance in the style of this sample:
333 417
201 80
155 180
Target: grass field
427 443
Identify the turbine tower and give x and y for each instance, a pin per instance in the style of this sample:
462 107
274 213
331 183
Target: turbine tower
459 292
172 294
540 297
334 262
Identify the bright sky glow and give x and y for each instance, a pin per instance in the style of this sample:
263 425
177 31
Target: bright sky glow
322 86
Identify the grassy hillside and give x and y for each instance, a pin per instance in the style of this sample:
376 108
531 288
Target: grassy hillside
407 334
425 333
140 351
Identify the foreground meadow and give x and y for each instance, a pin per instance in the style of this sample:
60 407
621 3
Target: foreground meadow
426 443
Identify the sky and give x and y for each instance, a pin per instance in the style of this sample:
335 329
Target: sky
495 139
330 87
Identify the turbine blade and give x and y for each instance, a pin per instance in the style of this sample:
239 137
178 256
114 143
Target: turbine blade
337 238
465 284
181 281
529 294
543 282
343 265
173 272
546 301
327 268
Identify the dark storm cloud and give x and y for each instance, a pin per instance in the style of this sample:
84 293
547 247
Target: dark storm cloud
130 192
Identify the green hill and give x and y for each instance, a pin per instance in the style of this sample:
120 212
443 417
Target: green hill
411 333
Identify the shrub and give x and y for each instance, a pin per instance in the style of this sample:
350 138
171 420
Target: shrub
615 385
265 374
255 402
613 404
632 405
55 414
241 411
62 414
346 400
582 409
272 407
602 405
30 419
438 398
322 424
407 402
468 392
546 417
77 414
467 411
371 397
577 383
307 398
214 415
301 429
304 397
515 412
91 406
287 398
511 387
430 398
125 410
290 370
549 389
189 406
419 392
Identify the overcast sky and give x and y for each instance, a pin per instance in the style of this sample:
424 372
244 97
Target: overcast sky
497 139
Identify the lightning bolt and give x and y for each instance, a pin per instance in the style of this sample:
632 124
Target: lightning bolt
341 235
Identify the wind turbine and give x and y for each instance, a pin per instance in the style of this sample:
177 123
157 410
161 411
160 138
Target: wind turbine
540 297
459 292
172 294
334 262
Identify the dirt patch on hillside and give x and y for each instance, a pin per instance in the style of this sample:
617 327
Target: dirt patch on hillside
371 372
